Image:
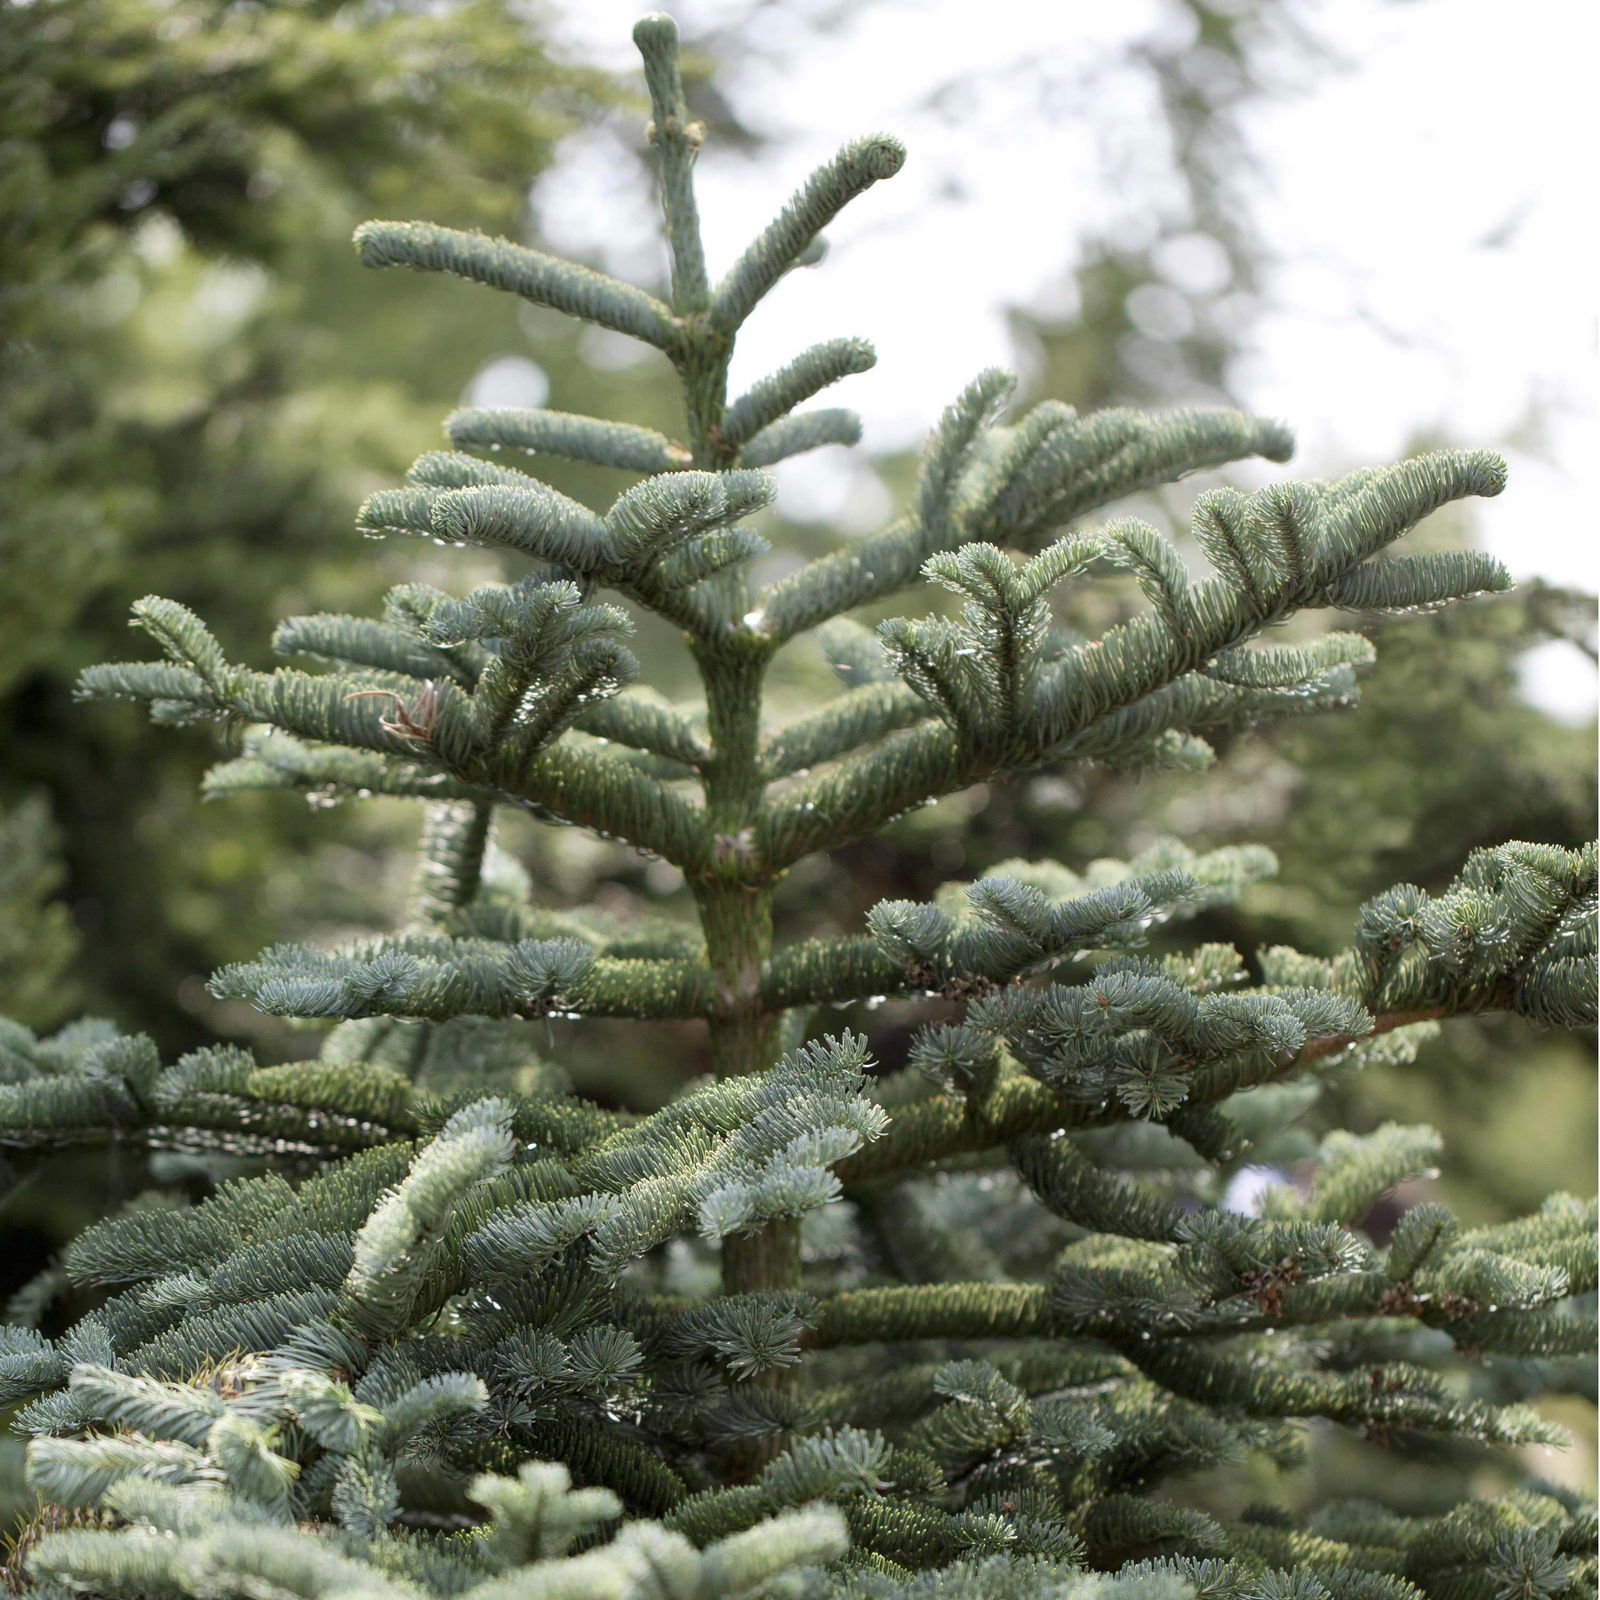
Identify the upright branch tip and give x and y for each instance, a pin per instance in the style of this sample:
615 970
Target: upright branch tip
879 157
655 34
678 139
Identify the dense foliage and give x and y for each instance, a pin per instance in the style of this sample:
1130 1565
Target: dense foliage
974 1327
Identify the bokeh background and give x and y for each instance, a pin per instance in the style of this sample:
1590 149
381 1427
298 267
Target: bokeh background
1360 215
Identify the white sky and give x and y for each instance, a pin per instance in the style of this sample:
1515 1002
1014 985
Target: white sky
1430 202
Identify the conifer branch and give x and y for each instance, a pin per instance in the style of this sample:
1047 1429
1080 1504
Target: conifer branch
645 724
833 808
861 716
776 396
1044 473
560 433
867 571
435 977
817 971
392 1249
678 140
615 800
938 1311
449 859
327 773
545 280
801 431
1125 668
931 1131
363 642
781 244
494 741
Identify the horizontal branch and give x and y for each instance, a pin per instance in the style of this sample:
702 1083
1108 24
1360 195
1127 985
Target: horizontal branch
331 772
833 972
1055 468
563 782
1133 662
323 1135
545 280
931 1131
562 433
932 1311
645 988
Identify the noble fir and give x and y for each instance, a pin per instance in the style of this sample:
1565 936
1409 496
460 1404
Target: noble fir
974 1328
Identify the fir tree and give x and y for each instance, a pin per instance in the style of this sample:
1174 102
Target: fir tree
810 1329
